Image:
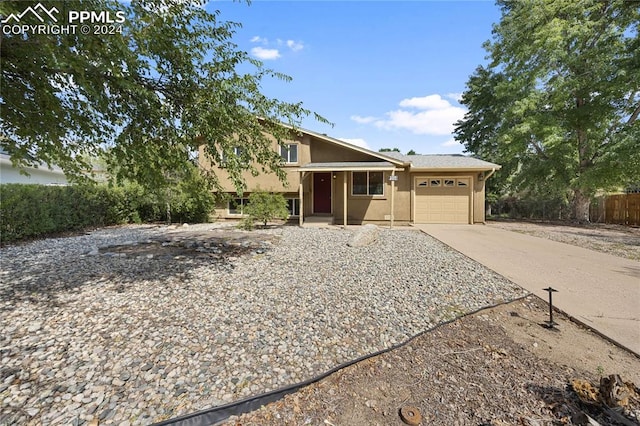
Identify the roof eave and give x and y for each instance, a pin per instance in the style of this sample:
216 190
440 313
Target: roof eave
346 145
455 169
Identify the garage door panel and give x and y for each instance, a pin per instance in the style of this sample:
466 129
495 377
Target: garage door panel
442 204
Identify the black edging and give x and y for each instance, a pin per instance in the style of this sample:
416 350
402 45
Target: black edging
220 413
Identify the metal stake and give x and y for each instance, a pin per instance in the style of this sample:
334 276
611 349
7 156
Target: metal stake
550 323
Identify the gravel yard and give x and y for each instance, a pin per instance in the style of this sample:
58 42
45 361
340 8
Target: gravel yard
140 324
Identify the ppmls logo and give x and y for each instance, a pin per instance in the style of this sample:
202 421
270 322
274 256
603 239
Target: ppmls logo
34 11
77 22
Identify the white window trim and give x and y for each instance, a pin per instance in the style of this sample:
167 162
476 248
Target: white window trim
241 206
295 199
367 194
287 160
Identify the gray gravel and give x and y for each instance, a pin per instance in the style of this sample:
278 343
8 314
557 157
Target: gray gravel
131 338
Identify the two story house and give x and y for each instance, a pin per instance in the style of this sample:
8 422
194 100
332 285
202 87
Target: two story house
343 183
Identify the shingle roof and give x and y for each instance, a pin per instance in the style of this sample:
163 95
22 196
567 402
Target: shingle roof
443 161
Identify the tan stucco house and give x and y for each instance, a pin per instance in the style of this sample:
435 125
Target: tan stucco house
339 182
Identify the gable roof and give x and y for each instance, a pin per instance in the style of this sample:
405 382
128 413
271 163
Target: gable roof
347 145
444 161
416 162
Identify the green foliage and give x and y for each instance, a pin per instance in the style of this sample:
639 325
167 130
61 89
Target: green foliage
558 104
29 211
412 152
531 206
389 150
145 99
264 207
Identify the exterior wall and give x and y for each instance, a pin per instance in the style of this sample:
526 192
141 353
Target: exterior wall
43 175
221 209
478 200
325 152
372 208
266 181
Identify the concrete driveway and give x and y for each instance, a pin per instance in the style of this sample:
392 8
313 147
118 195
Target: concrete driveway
601 290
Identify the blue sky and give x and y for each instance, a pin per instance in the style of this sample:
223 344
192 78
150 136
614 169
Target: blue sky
386 73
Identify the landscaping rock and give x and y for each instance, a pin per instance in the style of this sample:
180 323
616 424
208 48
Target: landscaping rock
365 236
157 332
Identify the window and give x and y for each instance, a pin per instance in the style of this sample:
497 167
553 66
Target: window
236 206
289 153
367 183
449 182
463 182
423 183
293 204
434 182
236 152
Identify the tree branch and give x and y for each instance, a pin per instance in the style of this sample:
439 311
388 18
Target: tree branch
634 116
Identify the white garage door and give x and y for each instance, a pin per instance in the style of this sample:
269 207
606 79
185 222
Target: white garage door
442 200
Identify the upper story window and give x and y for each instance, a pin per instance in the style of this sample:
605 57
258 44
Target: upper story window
237 152
289 152
367 183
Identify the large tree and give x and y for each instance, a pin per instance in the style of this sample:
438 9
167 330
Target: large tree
168 80
559 101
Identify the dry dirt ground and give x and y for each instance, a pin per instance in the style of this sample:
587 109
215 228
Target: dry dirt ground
618 240
499 366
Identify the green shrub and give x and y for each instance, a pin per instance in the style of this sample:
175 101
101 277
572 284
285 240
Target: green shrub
264 207
28 211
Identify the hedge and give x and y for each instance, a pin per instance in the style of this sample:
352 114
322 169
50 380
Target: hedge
28 211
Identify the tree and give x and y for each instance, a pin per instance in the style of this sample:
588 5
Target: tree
145 97
412 152
389 150
558 104
264 207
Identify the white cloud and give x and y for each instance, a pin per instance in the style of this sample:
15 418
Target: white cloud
357 142
265 54
258 39
451 142
432 122
425 102
454 96
363 120
436 116
295 45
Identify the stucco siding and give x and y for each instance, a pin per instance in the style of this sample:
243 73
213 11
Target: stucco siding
324 152
479 201
266 181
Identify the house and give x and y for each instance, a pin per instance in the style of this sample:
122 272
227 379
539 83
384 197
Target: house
39 175
343 183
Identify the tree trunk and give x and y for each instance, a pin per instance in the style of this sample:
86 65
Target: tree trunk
168 206
580 206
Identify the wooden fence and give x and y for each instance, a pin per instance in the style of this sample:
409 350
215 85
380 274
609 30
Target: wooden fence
623 209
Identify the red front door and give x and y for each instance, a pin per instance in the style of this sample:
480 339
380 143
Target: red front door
322 192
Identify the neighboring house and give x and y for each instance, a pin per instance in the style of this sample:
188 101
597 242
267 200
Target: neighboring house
41 175
329 178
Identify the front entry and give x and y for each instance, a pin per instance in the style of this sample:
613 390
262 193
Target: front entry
322 193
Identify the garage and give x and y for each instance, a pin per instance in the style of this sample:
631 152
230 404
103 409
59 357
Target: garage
442 199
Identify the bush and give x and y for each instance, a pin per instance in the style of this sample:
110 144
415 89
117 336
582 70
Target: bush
264 207
28 211
32 210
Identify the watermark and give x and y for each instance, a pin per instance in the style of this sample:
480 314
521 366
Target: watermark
40 20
